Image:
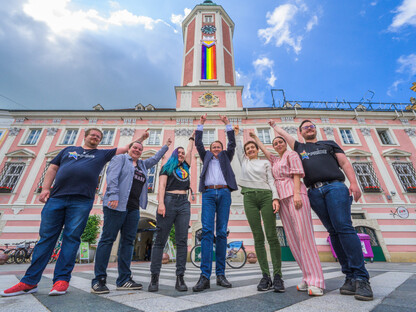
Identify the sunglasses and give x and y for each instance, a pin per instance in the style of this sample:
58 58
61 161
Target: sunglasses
308 127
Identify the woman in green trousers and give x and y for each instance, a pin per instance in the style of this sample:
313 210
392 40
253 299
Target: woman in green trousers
261 201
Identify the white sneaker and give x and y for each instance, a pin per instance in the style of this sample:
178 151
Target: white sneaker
302 286
315 291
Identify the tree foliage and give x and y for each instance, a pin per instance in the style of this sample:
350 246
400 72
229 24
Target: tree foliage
92 229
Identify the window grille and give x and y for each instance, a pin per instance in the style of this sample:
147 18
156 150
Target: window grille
10 175
70 136
370 232
264 136
108 136
154 137
101 178
151 182
347 136
208 136
366 177
407 175
385 137
281 236
33 137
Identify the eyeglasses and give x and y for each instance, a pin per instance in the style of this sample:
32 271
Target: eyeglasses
308 127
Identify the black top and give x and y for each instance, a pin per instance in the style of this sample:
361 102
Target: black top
319 161
139 179
79 169
178 180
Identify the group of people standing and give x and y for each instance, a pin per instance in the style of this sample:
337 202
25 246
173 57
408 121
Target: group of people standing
268 186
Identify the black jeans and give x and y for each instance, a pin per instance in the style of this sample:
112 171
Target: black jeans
178 212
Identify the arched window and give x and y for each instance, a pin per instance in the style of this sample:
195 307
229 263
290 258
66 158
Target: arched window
370 232
198 236
281 236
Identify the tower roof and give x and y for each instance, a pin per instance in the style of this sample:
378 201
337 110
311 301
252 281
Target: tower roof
208 2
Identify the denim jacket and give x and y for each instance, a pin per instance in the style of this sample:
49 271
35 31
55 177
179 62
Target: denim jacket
120 174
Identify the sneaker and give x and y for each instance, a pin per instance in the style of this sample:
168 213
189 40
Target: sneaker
348 288
302 286
363 290
130 285
278 284
265 283
315 291
19 289
59 288
99 287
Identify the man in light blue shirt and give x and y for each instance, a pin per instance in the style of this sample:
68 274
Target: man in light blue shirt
217 181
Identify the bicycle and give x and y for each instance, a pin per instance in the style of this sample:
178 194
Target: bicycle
236 255
23 252
57 249
10 252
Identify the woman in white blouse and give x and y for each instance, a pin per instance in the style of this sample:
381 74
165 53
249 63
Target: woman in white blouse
261 201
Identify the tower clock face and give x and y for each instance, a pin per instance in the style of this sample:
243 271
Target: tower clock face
208 29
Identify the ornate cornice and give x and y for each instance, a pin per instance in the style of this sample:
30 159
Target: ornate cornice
51 131
366 131
14 131
127 131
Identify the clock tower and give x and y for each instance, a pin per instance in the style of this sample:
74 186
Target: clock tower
208 72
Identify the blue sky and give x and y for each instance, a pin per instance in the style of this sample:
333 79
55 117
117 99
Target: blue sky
73 54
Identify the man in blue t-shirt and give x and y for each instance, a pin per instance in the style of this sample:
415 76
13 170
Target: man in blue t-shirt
331 200
75 170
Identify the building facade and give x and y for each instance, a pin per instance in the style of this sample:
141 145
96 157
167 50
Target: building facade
379 140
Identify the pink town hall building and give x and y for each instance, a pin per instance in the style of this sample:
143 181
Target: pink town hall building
379 140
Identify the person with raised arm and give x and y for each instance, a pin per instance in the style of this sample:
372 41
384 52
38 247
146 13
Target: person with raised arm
127 187
216 183
174 209
331 200
295 213
261 201
68 204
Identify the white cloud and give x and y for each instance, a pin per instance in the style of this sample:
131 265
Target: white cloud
374 3
406 15
265 64
63 21
284 29
177 19
407 67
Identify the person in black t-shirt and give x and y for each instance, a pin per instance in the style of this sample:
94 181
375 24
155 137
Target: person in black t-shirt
174 208
331 200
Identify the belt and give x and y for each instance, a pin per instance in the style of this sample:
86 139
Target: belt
320 184
215 187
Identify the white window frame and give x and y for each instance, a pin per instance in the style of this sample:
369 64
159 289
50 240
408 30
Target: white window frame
152 172
208 19
75 138
155 137
7 174
209 136
406 180
35 139
366 177
262 133
105 140
389 134
351 138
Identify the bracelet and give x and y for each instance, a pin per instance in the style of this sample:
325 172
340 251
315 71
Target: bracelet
191 138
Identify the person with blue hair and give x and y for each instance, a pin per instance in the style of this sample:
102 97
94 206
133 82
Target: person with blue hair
174 209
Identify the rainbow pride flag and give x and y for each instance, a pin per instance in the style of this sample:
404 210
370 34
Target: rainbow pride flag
208 62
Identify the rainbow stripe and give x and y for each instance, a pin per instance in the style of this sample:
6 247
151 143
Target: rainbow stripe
209 60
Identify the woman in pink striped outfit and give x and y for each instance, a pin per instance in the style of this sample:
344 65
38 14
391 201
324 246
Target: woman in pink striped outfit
295 213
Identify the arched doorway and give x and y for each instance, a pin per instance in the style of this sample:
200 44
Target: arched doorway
144 239
375 245
286 252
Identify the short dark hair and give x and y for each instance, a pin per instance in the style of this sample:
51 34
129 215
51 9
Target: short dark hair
87 132
279 137
131 144
305 121
210 146
250 142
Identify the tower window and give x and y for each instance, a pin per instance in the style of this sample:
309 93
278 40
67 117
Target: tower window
208 19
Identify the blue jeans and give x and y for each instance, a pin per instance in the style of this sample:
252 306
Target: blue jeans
71 212
178 212
332 204
214 201
114 221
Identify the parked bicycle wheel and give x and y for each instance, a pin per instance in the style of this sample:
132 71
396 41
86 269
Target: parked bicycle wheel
196 256
20 256
236 255
10 253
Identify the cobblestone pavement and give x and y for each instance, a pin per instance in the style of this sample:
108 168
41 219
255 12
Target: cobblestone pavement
394 287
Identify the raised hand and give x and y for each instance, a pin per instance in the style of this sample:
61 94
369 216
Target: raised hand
236 129
271 123
203 119
144 136
224 119
168 141
252 134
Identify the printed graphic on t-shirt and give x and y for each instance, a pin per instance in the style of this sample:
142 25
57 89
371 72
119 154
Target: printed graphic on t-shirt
304 155
75 155
181 174
139 175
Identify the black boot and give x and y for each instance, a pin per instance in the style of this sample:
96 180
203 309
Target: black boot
202 284
154 283
180 283
222 281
